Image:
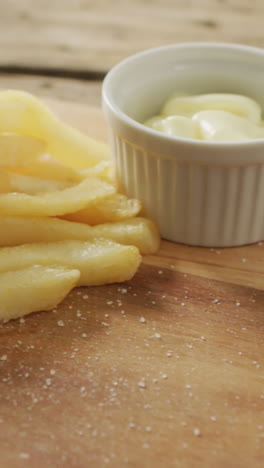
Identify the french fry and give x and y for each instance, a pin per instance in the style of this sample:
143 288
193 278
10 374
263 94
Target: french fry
48 168
30 185
33 289
22 113
19 150
111 209
4 182
55 203
99 262
104 170
140 232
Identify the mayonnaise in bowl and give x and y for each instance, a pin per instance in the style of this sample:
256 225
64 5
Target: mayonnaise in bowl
210 117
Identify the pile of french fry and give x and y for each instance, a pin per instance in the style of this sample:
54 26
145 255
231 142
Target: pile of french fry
62 222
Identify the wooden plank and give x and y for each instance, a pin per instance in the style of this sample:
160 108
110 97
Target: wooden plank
93 35
64 89
181 387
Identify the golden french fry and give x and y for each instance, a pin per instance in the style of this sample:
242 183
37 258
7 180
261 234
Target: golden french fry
55 203
114 208
22 113
104 170
4 182
33 289
140 232
31 185
19 150
99 262
48 168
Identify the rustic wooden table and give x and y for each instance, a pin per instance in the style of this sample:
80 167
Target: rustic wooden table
184 387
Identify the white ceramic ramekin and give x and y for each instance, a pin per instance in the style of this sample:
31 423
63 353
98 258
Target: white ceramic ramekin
199 193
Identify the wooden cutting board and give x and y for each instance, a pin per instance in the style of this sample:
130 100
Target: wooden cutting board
163 371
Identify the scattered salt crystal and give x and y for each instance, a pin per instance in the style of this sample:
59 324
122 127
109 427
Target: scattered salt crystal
131 425
169 354
105 324
157 335
85 296
142 384
145 446
243 260
109 302
215 301
243 328
52 372
183 423
213 418
24 455
142 320
203 338
60 323
106 315
197 432
82 389
84 335
153 302
3 358
148 428
183 304
189 345
164 376
123 290
48 382
237 303
188 386
22 320
160 272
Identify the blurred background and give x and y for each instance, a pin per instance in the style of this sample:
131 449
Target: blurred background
63 48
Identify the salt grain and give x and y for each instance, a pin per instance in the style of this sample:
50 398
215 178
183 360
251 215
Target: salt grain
105 324
85 296
3 358
25 456
60 323
157 335
142 384
142 320
197 432
52 372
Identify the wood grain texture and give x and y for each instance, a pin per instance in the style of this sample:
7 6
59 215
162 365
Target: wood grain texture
181 388
63 89
94 34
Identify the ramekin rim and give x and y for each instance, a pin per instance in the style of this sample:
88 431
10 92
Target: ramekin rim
139 127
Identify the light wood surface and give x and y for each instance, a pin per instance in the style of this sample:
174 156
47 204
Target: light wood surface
184 388
91 35
63 89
